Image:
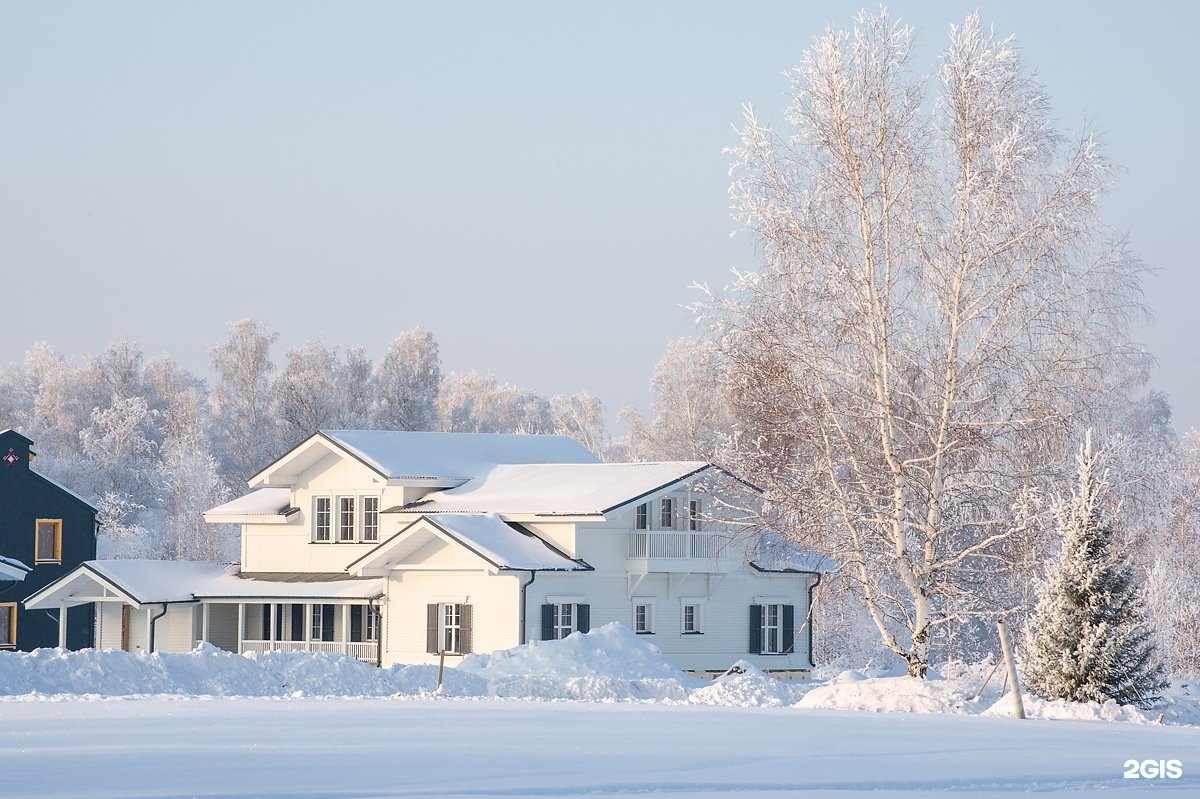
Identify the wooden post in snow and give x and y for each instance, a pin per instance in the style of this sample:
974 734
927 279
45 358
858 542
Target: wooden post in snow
1018 705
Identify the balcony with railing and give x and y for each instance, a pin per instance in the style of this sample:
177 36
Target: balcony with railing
675 551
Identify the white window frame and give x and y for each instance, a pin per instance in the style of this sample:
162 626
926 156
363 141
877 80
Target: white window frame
697 606
666 513
641 517
316 621
772 627
371 624
566 619
369 530
326 516
642 619
347 518
694 509
450 626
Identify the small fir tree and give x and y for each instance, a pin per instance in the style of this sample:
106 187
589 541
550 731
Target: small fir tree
1088 640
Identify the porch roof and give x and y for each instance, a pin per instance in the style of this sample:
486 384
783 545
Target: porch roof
13 569
258 505
140 582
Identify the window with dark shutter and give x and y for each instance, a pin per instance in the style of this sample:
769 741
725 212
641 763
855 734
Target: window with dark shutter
789 629
756 629
549 612
464 631
432 613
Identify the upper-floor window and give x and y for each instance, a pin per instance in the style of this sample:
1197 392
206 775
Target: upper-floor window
345 518
48 541
667 513
641 517
693 514
322 518
370 521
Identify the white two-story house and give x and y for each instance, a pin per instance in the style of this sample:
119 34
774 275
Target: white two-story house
401 547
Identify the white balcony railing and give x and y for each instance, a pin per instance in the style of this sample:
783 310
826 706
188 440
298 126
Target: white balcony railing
669 544
366 651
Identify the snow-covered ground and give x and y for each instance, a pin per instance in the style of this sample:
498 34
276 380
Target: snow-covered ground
598 715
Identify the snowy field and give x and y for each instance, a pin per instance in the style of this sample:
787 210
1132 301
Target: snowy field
596 715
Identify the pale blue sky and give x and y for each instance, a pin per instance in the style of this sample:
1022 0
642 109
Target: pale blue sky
535 183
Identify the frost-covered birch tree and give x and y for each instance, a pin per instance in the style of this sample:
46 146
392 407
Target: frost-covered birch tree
937 307
1088 640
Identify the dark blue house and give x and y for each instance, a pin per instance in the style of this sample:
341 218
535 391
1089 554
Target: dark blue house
49 529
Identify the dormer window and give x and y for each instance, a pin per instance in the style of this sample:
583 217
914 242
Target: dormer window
345 519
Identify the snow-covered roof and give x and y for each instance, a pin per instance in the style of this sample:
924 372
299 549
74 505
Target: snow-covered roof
487 536
12 569
557 489
776 554
505 546
261 502
453 457
154 581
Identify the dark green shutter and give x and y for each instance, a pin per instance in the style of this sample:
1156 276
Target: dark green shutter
547 622
431 629
464 630
356 622
756 629
583 618
789 629
297 622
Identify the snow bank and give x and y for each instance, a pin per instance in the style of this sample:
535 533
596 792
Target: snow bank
608 664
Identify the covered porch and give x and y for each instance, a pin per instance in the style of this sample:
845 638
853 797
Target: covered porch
174 606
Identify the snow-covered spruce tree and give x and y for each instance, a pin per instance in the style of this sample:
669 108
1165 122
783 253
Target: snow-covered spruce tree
1088 640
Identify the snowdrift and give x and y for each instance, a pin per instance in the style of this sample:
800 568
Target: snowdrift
608 664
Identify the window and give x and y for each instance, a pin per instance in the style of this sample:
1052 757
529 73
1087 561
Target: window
693 514
641 517
346 520
8 625
321 518
691 619
772 629
448 628
364 623
322 623
370 523
667 515
643 617
563 618
48 541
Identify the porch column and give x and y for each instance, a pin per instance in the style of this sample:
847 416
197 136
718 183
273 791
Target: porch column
308 608
273 635
62 624
345 636
241 628
204 622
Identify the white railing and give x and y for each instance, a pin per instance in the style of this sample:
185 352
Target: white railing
366 651
668 544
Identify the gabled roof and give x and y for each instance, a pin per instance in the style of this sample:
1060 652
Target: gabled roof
578 489
487 536
141 582
449 457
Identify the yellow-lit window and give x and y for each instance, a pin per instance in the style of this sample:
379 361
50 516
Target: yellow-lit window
48 541
8 625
